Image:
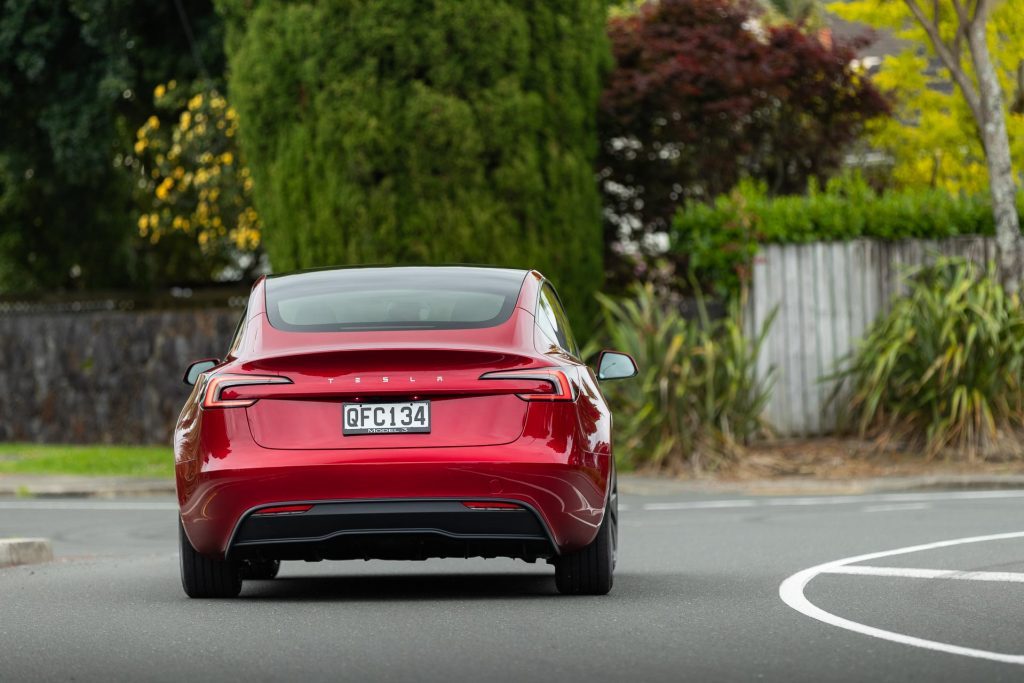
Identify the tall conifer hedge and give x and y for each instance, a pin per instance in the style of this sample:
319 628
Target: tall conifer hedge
443 131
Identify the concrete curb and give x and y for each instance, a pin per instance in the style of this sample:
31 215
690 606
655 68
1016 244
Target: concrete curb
14 551
795 486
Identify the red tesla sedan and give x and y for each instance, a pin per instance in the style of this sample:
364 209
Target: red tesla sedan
398 413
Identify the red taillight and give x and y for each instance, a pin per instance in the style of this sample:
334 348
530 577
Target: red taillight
284 510
216 385
562 388
491 505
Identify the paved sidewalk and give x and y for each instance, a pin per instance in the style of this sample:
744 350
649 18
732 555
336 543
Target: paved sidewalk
82 487
109 487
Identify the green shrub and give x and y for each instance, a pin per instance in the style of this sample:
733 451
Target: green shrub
697 398
944 367
717 241
390 131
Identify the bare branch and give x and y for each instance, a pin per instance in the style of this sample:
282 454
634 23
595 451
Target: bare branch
963 23
981 10
950 59
962 15
1017 107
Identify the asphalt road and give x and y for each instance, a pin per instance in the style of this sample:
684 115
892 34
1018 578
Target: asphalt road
696 598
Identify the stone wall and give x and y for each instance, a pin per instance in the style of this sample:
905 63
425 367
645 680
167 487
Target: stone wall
109 377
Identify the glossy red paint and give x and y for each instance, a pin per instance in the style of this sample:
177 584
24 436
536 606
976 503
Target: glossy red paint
279 442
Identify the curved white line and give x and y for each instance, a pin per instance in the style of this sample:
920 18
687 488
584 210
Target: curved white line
792 593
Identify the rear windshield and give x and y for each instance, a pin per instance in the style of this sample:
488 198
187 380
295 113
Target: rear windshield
392 299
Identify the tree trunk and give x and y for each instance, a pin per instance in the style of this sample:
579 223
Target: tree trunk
994 137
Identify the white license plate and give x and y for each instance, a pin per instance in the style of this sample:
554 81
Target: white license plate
412 417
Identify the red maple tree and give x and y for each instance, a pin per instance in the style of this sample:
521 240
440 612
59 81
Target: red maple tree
705 94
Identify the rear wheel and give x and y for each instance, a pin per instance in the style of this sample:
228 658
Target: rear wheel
203 577
590 571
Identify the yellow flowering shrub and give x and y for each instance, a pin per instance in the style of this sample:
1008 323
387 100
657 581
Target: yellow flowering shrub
932 138
193 174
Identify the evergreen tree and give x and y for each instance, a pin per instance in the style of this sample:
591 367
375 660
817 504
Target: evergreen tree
389 131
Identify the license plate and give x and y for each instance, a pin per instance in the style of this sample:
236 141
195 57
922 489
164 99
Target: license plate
412 417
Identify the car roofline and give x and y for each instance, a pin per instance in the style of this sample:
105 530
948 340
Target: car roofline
383 266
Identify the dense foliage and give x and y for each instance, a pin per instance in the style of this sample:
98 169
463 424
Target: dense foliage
716 241
705 93
391 131
75 78
933 139
698 397
198 190
945 367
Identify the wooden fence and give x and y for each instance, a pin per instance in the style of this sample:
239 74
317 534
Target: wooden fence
826 296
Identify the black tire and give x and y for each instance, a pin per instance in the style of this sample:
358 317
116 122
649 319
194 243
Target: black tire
203 577
260 570
591 570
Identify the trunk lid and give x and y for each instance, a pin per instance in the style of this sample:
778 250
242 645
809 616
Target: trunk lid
464 410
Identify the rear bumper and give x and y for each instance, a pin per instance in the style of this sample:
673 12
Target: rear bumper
563 488
399 530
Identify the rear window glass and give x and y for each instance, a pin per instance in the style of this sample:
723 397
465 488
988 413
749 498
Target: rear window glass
392 299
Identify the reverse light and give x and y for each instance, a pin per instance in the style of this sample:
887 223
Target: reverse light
216 385
490 505
562 389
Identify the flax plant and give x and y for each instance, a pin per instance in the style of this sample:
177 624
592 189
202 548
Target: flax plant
943 370
698 397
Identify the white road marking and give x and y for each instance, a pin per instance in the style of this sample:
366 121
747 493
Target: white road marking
84 505
912 573
898 507
792 593
838 500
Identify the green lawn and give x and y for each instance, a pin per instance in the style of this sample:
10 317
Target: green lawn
99 461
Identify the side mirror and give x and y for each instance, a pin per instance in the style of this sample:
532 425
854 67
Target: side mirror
197 368
615 365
